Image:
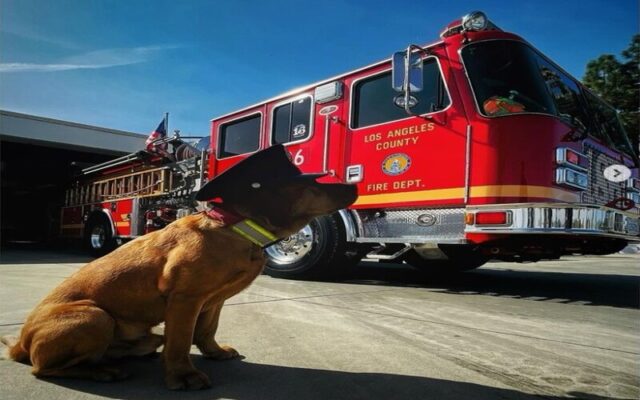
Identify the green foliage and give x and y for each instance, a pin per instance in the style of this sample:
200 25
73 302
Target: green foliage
618 83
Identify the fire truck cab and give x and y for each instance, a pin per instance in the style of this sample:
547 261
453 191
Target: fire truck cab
471 148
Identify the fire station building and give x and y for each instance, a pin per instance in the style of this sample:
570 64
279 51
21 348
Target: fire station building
38 159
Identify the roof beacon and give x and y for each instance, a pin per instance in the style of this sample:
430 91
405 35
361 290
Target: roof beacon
472 22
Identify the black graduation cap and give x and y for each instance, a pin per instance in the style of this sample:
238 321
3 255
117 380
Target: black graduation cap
263 168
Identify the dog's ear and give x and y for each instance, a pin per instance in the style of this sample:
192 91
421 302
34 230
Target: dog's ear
262 168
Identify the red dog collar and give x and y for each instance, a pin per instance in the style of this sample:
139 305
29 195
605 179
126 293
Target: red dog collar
244 227
226 217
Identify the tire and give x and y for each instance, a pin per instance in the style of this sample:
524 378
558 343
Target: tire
98 236
317 251
461 258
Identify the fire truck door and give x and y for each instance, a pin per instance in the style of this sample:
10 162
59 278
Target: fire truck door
403 160
312 133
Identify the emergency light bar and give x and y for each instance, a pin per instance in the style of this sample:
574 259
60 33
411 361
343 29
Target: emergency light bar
328 92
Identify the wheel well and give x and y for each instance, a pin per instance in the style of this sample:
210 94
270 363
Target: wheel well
348 224
100 214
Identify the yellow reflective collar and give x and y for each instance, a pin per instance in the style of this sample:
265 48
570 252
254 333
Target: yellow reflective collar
254 233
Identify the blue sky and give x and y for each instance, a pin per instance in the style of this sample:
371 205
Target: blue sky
122 64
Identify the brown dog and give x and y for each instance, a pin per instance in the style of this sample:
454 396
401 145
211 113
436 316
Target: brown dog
181 275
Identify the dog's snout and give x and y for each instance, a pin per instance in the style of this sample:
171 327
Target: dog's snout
352 193
343 194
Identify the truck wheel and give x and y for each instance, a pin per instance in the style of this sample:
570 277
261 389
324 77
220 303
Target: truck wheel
317 251
99 236
460 259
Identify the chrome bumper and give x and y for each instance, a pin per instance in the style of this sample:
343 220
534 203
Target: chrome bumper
553 218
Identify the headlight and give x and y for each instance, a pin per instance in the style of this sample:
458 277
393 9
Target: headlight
569 177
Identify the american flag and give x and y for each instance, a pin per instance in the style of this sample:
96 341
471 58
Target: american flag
159 133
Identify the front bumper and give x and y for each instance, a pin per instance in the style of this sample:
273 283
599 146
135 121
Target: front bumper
558 218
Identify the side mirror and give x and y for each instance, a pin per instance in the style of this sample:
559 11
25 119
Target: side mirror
406 76
406 71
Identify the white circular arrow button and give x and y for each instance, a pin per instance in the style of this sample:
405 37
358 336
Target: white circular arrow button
617 173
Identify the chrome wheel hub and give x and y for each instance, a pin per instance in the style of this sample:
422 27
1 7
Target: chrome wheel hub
98 237
293 248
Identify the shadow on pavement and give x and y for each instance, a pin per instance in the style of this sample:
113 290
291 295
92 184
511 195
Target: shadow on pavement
41 254
560 287
248 381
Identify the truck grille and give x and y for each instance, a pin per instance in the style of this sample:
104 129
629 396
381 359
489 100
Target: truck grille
600 190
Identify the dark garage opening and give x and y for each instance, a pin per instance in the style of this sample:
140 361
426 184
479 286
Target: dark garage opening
33 180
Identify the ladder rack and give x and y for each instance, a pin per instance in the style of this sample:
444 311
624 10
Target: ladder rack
152 182
139 155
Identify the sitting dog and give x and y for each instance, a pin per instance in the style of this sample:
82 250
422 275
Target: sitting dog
180 275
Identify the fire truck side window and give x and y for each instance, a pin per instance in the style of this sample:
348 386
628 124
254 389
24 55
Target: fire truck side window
607 126
291 121
240 136
566 94
373 97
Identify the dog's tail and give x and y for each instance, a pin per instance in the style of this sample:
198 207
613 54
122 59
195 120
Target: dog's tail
14 349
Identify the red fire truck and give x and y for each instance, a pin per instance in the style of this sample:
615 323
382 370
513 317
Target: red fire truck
471 148
133 195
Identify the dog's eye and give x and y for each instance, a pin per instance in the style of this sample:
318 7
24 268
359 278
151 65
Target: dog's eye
256 185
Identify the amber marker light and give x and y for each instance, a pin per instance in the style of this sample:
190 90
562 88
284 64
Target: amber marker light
469 218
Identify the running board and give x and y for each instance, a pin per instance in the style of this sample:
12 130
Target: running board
384 251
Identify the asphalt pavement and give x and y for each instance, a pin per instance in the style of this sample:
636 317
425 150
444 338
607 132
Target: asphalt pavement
561 329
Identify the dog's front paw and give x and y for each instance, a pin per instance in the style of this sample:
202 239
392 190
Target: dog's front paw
223 352
189 380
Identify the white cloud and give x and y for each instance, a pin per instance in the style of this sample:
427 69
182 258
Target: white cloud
29 67
106 58
29 33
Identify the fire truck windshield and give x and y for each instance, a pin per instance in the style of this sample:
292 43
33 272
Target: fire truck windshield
509 77
506 78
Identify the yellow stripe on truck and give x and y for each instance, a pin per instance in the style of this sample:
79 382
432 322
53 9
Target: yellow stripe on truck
475 191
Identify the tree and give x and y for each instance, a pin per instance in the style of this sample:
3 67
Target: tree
618 83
